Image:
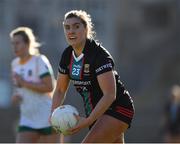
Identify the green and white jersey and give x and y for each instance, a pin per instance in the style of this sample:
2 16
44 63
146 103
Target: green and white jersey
35 107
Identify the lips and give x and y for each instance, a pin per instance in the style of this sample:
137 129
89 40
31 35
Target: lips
72 38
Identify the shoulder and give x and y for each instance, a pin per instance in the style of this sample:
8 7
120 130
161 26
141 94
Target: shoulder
101 51
41 59
67 50
65 57
98 48
15 61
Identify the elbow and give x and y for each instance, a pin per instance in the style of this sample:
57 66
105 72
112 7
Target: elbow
111 97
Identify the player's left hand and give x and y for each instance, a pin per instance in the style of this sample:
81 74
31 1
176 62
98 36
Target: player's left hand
82 123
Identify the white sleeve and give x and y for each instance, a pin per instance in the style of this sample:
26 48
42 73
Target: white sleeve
44 66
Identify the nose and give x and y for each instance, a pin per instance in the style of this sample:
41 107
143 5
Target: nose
70 31
70 34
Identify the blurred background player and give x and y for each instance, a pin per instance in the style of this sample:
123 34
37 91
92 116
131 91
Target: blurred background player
33 81
90 68
172 116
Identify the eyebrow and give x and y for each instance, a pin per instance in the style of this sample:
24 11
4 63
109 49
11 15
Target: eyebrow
73 23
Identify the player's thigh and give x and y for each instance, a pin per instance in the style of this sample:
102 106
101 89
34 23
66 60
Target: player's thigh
51 138
106 129
120 139
27 137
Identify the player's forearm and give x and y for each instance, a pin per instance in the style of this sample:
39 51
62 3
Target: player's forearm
58 99
38 87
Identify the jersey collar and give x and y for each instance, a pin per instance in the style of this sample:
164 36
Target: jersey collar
77 58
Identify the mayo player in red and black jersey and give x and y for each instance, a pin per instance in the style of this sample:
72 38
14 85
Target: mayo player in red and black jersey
90 67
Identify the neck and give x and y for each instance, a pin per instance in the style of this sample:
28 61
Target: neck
25 58
79 48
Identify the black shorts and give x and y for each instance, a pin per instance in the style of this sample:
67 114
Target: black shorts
122 108
121 113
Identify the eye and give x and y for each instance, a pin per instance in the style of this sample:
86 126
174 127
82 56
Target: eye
14 43
66 27
77 26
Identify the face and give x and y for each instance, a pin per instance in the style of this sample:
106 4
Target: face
19 46
75 32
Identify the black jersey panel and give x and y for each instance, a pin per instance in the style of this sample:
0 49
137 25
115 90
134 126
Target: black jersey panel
65 60
103 62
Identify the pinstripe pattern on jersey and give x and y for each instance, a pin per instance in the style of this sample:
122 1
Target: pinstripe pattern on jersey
87 98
